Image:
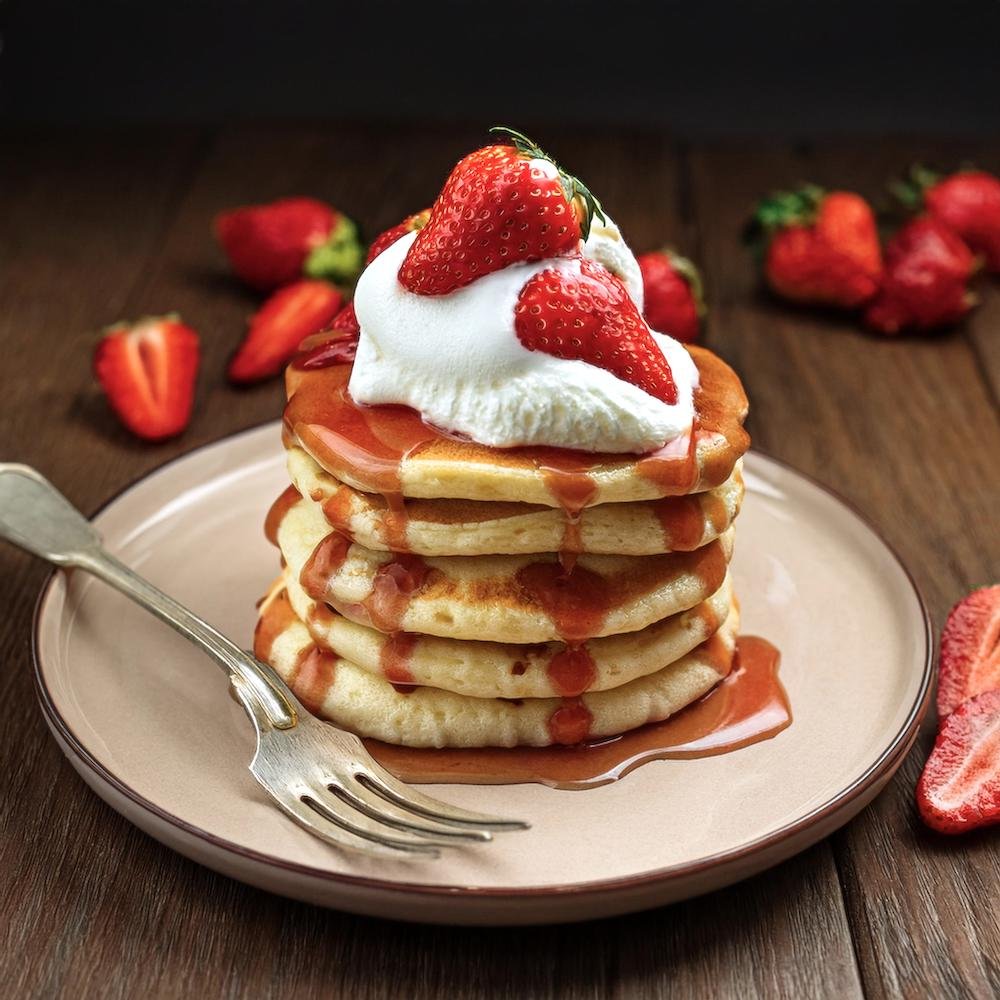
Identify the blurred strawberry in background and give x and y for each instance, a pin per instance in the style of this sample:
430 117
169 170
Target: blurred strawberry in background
273 245
967 201
673 294
818 247
925 286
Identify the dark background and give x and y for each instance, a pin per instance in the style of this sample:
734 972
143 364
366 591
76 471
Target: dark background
781 68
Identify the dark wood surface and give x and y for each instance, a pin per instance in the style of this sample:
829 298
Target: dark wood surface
100 225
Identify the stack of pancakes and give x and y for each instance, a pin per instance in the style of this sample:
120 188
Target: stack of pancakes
436 592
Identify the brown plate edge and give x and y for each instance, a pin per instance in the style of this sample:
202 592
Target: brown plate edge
883 767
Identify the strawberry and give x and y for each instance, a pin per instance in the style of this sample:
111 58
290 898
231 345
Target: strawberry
276 244
346 321
967 201
147 370
959 789
927 269
289 316
674 302
591 317
820 247
500 205
970 649
411 224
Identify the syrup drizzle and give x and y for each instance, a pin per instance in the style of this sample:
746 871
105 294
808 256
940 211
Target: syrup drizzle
577 602
288 499
748 706
367 445
395 657
323 564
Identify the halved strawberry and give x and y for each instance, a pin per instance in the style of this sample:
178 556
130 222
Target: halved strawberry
591 317
273 245
500 205
280 325
147 370
959 789
411 224
970 649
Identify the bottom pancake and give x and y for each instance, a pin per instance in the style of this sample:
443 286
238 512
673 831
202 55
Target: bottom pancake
365 703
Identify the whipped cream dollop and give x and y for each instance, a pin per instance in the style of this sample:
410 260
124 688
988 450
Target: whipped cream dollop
457 360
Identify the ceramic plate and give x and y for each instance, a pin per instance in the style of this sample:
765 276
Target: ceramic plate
148 723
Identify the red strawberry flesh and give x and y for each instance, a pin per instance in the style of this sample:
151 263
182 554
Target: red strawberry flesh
148 372
280 325
970 649
959 789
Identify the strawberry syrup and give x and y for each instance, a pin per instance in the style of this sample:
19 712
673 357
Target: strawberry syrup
748 706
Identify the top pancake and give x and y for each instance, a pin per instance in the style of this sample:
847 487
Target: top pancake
390 450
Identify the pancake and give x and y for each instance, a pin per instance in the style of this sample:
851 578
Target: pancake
501 598
365 703
506 670
477 527
390 450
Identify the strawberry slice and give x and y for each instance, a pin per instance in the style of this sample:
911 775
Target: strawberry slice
970 649
959 789
147 370
591 317
411 224
289 316
500 205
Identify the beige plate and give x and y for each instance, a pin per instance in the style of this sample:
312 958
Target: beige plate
147 722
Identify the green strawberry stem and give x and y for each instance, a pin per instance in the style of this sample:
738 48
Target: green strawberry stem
909 191
572 186
782 209
339 260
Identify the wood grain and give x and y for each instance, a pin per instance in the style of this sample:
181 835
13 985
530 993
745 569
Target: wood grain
909 431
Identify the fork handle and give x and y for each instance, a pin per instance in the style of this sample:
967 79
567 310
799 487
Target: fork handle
268 689
35 516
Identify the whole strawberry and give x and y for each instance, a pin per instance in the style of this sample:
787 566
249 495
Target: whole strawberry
500 205
411 224
967 201
273 245
674 302
588 315
819 247
147 370
925 286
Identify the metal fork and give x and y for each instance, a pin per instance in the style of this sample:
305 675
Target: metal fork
321 776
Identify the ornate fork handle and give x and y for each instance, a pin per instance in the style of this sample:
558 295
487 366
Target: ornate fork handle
269 690
37 517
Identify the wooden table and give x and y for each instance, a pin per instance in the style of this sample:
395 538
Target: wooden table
100 225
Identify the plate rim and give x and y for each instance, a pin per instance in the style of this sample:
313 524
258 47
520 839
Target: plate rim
882 767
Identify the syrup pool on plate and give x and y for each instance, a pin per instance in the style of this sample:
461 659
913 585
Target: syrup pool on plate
747 706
